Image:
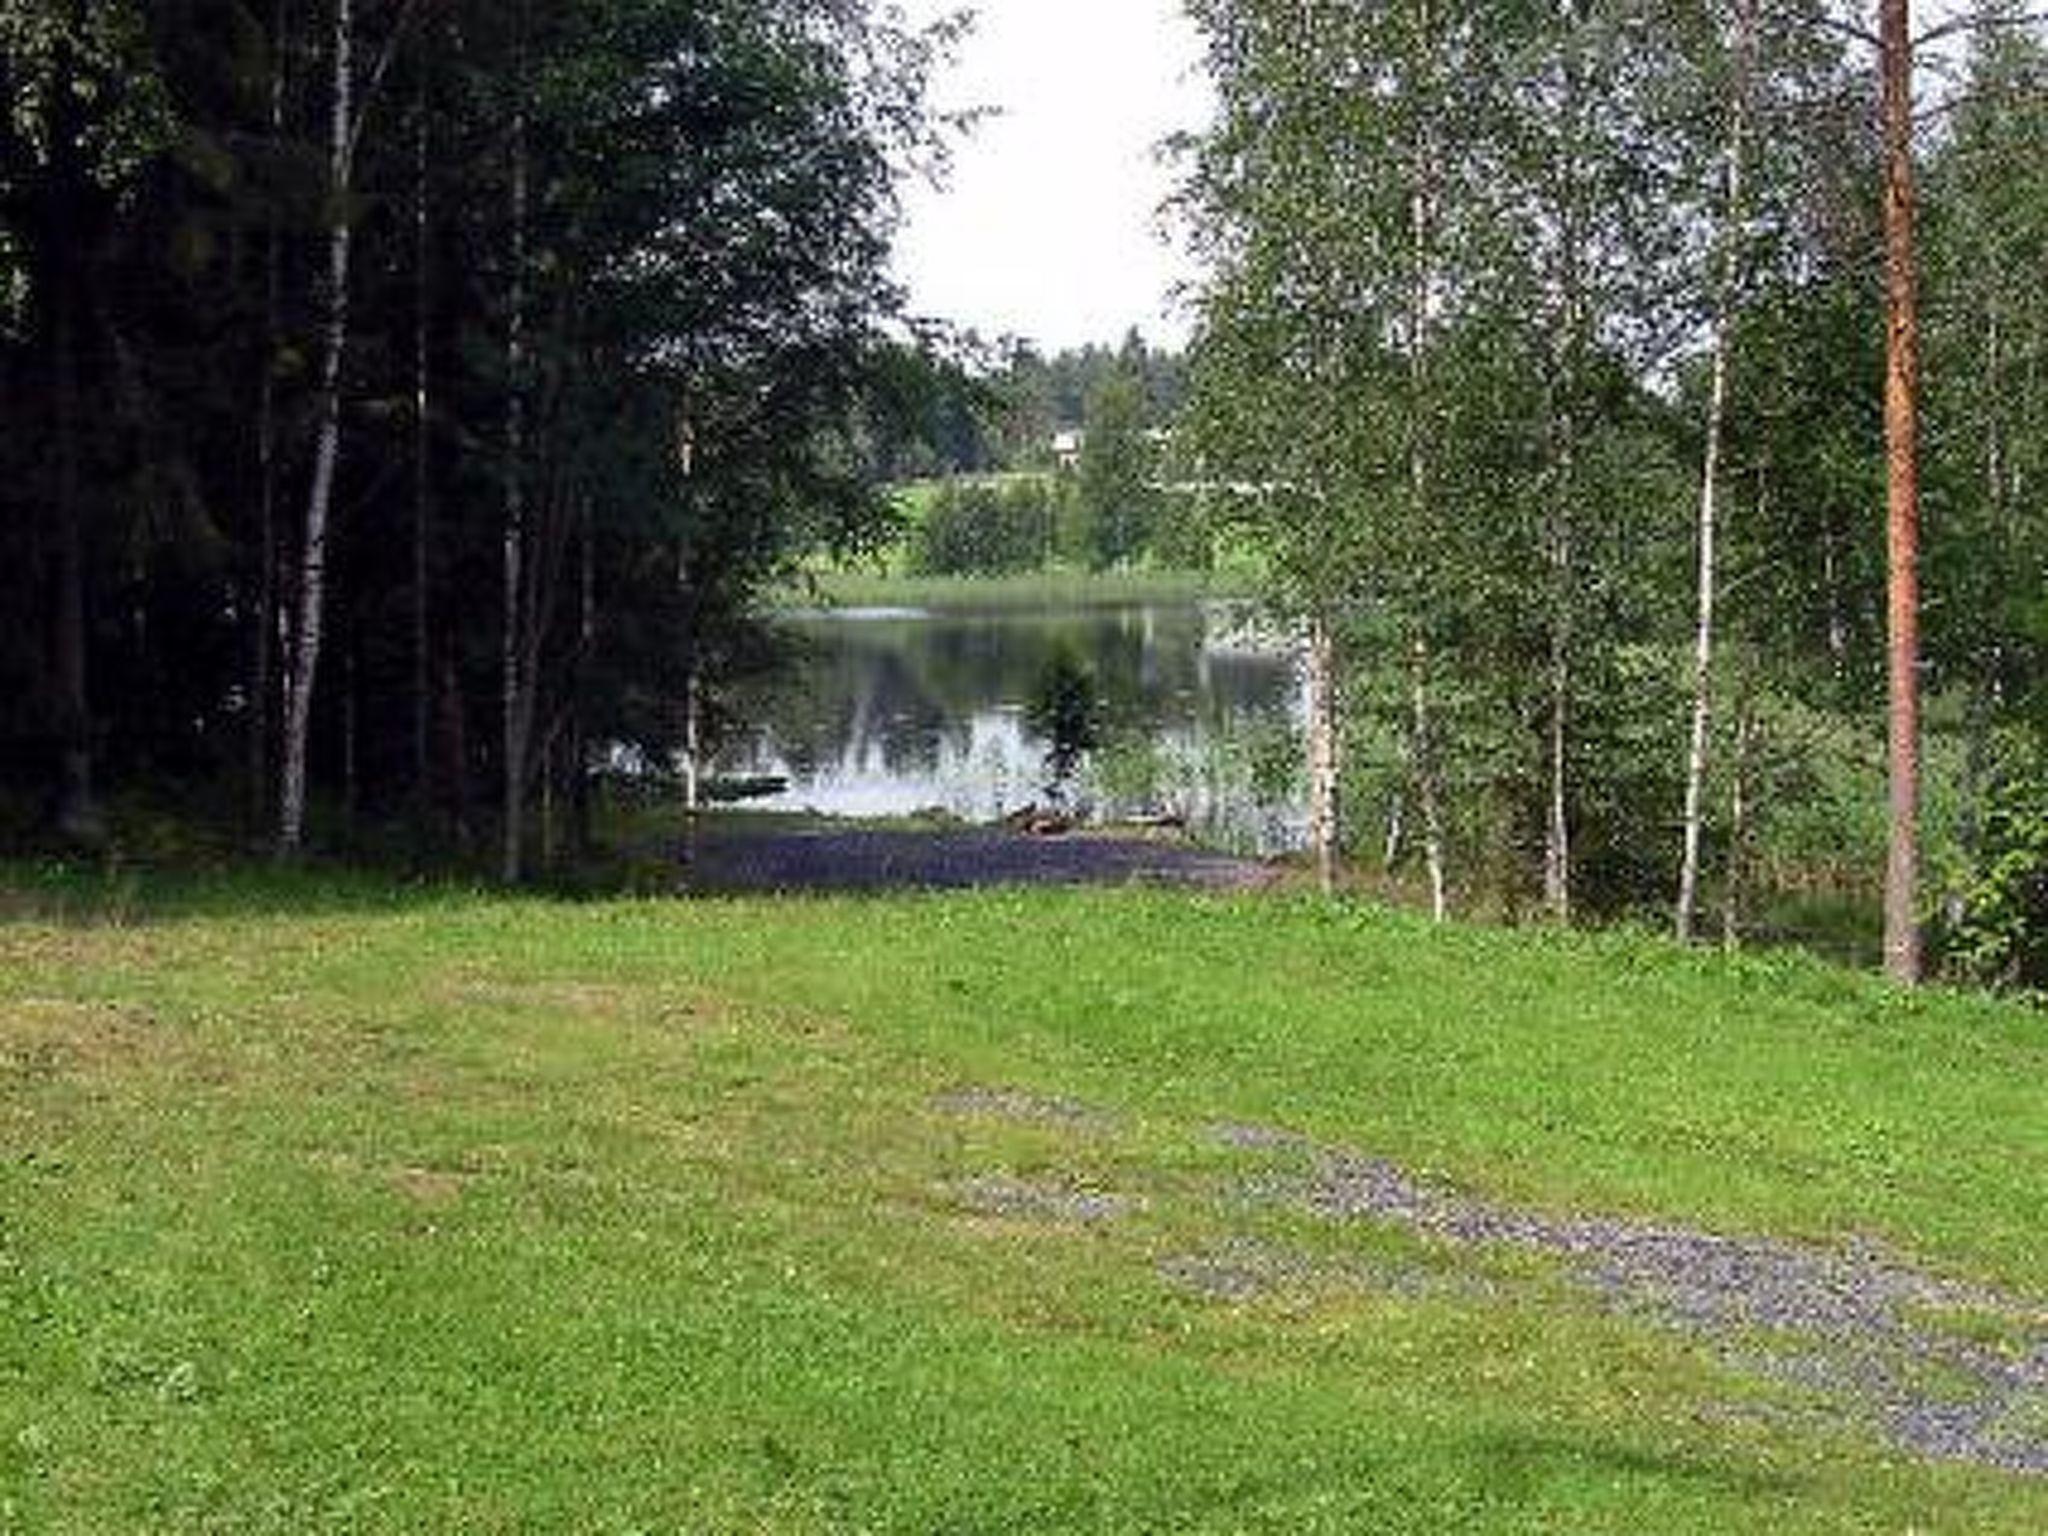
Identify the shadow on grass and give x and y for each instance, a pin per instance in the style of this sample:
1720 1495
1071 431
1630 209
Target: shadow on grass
72 893
1525 1463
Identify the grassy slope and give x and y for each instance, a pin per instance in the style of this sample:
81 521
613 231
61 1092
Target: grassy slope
457 1213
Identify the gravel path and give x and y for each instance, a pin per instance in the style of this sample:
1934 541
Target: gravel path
729 857
1939 1368
1854 1326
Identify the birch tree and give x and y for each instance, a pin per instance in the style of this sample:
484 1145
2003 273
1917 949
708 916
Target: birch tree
1726 260
1333 206
348 104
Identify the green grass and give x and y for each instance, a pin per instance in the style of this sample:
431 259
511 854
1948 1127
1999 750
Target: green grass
330 1206
1055 588
915 497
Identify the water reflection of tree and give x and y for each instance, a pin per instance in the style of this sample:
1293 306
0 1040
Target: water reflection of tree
904 696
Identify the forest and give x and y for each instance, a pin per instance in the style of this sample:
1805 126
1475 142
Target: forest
413 406
406 401
1544 358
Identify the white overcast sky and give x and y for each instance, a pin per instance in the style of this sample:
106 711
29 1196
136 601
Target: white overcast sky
1049 225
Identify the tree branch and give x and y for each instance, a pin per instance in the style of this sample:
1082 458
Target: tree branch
1848 29
368 95
1963 24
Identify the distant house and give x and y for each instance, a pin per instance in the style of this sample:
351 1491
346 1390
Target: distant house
1066 448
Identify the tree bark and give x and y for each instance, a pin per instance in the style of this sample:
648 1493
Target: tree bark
422 461
327 450
263 637
351 780
693 718
517 692
1560 534
1902 943
1557 827
1725 261
1422 231
1427 787
76 815
66 239
579 729
1323 757
1735 889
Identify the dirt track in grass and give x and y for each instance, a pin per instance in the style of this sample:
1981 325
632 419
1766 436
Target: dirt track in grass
730 856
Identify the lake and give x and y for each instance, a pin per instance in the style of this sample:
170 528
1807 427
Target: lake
898 711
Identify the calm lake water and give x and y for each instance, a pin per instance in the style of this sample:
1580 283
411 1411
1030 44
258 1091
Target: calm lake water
894 711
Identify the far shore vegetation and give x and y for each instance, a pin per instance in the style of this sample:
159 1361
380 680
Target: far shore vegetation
1057 587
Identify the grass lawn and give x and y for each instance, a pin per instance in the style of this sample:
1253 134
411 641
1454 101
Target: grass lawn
1055 588
325 1206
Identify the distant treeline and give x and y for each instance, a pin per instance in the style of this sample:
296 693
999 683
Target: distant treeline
1034 460
976 409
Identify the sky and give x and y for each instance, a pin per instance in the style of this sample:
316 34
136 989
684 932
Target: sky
1049 225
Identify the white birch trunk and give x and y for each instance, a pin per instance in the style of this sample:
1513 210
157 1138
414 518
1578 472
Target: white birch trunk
1738 829
1426 783
264 640
1557 839
1557 832
1323 761
1703 647
1710 480
327 452
1422 222
693 726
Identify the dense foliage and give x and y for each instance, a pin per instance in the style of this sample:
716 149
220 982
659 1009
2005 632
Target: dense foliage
1508 303
975 528
1084 440
411 396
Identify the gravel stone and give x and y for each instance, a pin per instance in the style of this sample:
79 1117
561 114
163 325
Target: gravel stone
1022 1199
1022 1105
1852 1325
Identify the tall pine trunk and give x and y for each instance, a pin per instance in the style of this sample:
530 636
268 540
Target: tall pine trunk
263 639
1902 953
327 449
76 814
422 461
66 244
517 692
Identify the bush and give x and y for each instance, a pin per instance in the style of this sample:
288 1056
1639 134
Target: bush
1994 924
984 530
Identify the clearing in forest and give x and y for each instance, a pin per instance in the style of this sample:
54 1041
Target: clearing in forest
331 1205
